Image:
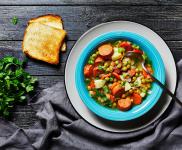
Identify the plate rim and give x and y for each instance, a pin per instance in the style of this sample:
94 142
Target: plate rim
131 130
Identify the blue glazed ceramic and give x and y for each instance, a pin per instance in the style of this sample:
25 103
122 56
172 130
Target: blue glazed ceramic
148 102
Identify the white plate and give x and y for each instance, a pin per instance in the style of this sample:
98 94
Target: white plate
126 126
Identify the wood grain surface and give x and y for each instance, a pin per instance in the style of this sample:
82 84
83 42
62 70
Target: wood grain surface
164 17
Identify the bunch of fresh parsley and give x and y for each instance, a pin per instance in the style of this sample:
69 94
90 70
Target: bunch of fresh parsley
15 83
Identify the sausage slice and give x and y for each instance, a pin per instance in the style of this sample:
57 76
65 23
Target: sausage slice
105 50
124 104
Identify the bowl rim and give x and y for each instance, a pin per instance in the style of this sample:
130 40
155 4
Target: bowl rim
84 94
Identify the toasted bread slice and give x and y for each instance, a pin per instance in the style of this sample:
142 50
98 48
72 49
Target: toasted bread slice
52 21
43 42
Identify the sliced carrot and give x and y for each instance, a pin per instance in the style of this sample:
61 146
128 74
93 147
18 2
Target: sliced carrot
124 104
106 50
88 70
105 75
116 75
117 90
132 72
92 84
99 59
137 99
113 85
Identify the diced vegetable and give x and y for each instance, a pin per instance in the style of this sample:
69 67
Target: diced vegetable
137 99
116 56
127 86
99 83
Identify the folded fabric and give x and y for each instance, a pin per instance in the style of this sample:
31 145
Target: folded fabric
60 127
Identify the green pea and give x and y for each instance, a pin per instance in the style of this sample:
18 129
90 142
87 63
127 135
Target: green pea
125 63
107 78
97 52
90 62
129 61
94 55
114 105
124 68
116 62
110 68
134 78
106 64
137 70
143 80
119 65
107 69
111 79
128 66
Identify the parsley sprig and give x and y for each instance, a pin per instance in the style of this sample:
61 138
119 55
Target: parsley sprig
14 20
15 84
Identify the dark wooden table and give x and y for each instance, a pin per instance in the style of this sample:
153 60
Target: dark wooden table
162 16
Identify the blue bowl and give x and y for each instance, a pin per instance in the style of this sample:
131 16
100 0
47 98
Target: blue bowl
149 101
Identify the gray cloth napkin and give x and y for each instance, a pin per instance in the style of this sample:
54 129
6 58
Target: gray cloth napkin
60 127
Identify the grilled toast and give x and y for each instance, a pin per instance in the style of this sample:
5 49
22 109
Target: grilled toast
43 42
51 20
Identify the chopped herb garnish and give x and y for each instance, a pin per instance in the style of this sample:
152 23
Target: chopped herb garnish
14 20
15 84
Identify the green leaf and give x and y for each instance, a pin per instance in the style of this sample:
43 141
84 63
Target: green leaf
14 84
22 98
33 80
14 20
29 88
